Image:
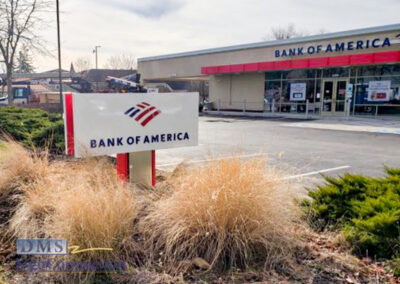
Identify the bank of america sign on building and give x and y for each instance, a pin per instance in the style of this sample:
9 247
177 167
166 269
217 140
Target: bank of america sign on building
310 74
102 124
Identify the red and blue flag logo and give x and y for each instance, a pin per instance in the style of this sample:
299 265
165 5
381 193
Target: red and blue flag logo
143 113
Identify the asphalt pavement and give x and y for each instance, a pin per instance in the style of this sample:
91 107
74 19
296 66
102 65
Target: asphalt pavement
299 148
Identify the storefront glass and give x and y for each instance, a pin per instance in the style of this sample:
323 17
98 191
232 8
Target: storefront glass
376 90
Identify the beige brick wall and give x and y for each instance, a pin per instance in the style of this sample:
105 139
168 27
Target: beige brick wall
233 89
190 66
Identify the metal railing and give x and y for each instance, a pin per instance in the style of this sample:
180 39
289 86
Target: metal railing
266 107
305 108
374 108
279 107
243 105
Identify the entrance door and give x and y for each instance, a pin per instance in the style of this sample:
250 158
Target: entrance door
334 96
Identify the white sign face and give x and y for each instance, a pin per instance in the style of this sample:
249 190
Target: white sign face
298 91
152 90
379 91
349 91
121 123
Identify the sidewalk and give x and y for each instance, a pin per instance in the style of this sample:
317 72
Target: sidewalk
379 120
347 126
380 124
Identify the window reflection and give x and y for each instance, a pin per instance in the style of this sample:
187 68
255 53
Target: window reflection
277 88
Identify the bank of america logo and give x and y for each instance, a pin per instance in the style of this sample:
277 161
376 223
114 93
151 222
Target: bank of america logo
143 113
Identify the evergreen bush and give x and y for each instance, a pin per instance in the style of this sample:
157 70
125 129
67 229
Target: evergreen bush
365 209
33 127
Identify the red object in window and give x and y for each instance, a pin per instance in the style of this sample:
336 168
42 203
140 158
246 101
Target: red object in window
381 95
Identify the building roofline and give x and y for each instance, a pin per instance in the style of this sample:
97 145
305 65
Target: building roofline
319 37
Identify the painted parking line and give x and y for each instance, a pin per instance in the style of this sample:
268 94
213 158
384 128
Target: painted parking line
259 155
345 127
317 172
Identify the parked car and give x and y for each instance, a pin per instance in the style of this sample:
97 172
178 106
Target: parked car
4 100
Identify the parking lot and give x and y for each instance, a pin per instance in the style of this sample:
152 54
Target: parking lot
304 148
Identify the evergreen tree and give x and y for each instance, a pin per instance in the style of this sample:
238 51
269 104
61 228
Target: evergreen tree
24 61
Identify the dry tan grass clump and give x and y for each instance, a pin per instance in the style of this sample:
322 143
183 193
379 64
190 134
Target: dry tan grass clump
17 166
79 200
229 212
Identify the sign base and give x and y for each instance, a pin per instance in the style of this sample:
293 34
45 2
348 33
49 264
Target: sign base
138 168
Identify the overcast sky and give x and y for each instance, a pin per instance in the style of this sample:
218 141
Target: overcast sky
153 27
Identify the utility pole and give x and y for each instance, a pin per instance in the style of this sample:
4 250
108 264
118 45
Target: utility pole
59 55
95 51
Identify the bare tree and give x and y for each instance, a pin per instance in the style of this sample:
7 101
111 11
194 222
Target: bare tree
82 64
2 71
279 32
2 67
123 61
19 24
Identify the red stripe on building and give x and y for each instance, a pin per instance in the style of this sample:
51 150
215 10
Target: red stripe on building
144 113
251 67
141 106
69 113
300 64
123 167
315 62
150 117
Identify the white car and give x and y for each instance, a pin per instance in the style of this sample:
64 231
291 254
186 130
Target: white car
4 100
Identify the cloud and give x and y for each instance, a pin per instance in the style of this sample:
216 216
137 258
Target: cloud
152 9
170 26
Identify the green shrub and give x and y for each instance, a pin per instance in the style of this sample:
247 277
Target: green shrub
365 209
33 127
396 267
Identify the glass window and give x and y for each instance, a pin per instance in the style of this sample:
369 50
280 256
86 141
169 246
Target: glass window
272 91
271 95
379 70
19 93
318 91
336 72
395 89
362 88
299 74
286 105
274 75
